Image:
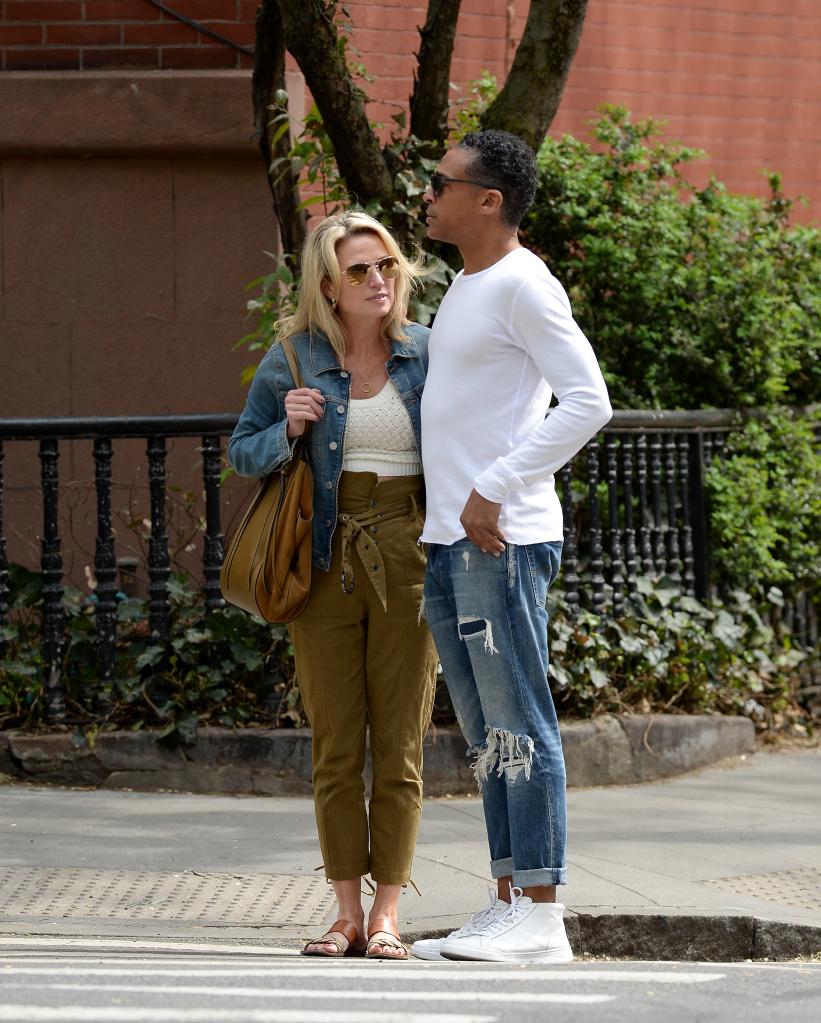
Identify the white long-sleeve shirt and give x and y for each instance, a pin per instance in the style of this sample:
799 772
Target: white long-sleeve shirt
503 340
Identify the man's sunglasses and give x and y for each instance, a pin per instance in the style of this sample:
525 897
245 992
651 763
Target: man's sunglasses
358 273
438 182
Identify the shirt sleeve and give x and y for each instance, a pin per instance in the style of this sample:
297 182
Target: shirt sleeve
259 443
542 325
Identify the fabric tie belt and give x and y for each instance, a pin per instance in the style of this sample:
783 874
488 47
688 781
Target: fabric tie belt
358 532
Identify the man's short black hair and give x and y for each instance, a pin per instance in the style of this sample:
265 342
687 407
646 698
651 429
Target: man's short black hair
506 162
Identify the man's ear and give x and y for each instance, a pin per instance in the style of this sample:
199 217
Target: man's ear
491 202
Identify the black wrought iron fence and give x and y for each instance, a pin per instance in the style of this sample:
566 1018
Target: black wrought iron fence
634 505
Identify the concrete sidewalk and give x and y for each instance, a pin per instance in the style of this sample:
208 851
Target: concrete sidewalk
720 864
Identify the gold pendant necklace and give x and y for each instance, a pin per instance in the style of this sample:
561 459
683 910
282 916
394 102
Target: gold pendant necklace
366 387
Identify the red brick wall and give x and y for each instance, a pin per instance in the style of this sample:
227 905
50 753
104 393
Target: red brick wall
740 79
124 34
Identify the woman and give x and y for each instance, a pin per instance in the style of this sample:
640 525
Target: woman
362 656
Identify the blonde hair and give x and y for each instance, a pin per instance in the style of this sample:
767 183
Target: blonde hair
315 311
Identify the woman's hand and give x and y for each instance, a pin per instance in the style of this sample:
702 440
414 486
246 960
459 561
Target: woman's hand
303 405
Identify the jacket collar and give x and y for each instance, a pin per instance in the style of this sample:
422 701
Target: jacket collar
323 357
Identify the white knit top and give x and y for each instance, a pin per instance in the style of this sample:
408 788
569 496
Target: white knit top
379 436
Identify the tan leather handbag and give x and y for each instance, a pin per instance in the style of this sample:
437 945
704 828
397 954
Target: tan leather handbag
267 566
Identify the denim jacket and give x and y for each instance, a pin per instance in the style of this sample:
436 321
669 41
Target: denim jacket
259 443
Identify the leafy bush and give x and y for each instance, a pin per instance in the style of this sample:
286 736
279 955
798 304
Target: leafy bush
765 504
672 652
221 667
667 652
692 297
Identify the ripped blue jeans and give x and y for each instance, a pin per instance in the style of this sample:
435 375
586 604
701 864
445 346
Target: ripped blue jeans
488 617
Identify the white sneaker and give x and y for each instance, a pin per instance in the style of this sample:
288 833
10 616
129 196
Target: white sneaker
429 948
528 932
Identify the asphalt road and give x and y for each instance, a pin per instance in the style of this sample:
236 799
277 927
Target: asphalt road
44 980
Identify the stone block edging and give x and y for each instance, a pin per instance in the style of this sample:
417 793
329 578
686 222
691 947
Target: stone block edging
681 937
607 750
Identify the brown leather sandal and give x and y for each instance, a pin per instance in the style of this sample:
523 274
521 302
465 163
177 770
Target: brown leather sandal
386 939
341 929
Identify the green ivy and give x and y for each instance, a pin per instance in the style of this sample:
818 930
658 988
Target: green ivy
220 667
671 652
667 652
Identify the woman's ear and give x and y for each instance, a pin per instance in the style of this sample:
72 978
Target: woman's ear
327 290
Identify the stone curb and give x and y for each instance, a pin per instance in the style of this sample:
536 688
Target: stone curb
607 750
664 937
671 937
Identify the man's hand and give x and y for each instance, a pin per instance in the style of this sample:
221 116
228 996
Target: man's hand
480 519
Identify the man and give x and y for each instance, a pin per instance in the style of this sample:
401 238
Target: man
504 339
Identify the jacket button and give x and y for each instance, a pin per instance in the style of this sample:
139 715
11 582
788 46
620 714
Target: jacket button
340 409
328 523
344 375
329 485
333 445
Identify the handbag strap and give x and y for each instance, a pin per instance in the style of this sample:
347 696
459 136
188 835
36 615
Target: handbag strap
293 362
293 365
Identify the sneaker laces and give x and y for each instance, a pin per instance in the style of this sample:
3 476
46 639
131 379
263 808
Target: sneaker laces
479 920
510 916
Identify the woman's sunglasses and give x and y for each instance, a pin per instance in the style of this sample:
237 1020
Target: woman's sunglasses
358 273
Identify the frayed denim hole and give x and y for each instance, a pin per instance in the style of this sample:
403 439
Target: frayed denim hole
471 627
515 754
482 762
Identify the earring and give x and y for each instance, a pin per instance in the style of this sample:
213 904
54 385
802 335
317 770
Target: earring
333 304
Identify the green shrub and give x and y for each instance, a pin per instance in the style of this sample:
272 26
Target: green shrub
221 667
765 505
692 297
667 652
670 652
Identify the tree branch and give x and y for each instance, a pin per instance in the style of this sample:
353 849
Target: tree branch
431 82
528 103
268 79
312 38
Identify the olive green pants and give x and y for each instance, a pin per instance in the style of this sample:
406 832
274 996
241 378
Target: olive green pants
363 660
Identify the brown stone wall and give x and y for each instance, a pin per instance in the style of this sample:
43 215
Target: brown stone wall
134 212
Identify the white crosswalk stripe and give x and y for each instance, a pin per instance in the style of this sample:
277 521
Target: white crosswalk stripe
127 1014
436 971
341 996
143 986
138 945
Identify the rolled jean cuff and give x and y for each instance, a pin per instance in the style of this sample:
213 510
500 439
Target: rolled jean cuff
501 868
542 875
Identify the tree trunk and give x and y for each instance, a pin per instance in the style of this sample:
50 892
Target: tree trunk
530 98
311 36
430 101
268 79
